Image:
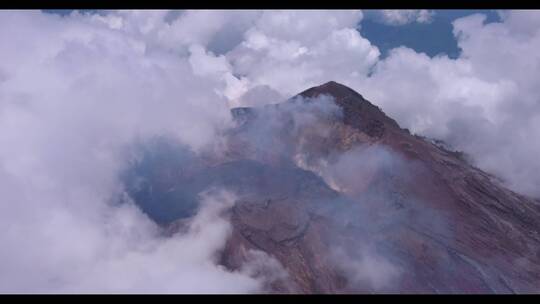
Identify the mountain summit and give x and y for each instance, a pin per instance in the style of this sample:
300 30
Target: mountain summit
344 200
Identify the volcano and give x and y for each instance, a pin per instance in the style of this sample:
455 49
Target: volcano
347 201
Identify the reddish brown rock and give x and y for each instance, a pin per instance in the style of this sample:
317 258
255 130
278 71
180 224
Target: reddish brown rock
428 220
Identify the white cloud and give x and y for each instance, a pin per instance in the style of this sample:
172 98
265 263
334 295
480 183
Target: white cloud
75 90
260 95
402 17
485 102
120 252
311 47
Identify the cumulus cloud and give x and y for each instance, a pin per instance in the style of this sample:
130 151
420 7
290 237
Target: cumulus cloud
76 89
311 47
57 248
403 17
485 102
260 95
124 253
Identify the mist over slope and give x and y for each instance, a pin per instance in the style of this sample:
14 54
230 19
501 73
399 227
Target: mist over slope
347 201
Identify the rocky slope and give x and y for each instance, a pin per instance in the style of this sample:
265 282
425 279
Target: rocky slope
347 201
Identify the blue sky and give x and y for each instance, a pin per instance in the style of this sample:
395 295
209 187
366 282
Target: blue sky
431 38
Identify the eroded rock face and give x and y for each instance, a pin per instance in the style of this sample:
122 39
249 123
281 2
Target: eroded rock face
347 201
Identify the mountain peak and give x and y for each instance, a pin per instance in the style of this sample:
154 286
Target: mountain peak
314 197
332 88
358 112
